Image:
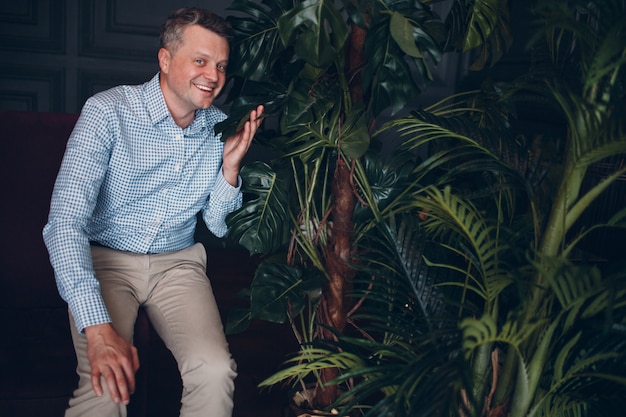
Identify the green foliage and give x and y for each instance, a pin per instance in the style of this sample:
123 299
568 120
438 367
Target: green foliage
472 294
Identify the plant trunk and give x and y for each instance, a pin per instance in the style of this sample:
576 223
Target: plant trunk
334 306
356 60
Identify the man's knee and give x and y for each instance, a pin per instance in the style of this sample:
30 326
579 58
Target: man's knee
209 370
86 403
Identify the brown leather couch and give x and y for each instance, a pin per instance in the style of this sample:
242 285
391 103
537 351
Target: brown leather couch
36 355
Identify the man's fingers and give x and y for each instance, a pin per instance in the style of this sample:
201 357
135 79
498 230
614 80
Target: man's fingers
95 382
120 381
116 385
127 376
135 359
120 384
256 117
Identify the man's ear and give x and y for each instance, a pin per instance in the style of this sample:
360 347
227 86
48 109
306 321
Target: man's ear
164 60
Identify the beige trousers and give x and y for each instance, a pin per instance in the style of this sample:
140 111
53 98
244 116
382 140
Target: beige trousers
178 299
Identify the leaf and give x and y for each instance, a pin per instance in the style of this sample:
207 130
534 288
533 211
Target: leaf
301 107
311 360
240 112
355 138
256 44
238 320
478 332
480 24
405 288
472 236
262 224
280 291
324 132
316 29
571 284
402 33
598 134
386 76
392 80
386 182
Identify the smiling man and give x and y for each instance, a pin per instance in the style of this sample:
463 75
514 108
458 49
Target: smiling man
141 162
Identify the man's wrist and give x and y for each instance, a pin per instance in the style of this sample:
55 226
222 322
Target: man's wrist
231 175
98 329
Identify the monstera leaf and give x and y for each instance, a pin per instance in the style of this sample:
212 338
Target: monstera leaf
316 29
396 49
240 110
278 292
262 224
257 42
480 24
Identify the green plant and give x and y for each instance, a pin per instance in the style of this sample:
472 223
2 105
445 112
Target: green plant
482 294
327 71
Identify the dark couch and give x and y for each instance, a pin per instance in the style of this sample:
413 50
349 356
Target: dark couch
36 355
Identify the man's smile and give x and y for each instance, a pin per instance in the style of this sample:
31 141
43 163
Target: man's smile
204 87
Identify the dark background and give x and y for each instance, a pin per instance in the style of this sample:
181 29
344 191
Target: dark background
54 54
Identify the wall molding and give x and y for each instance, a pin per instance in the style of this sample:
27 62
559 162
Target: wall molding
32 89
93 81
114 38
34 26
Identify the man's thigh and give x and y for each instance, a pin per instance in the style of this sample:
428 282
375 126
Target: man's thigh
123 285
183 309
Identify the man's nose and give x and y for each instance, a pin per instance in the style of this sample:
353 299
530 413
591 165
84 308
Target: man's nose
210 73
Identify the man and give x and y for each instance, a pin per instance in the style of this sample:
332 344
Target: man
141 162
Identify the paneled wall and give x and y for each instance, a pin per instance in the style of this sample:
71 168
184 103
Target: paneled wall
54 54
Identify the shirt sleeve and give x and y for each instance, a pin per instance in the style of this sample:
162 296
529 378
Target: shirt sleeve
223 200
73 200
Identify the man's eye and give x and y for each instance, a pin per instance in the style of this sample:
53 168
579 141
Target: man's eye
221 67
200 61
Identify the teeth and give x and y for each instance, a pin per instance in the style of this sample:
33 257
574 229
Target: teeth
203 87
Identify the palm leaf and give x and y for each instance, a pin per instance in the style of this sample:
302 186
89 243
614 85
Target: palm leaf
560 406
310 360
402 297
447 213
478 332
596 134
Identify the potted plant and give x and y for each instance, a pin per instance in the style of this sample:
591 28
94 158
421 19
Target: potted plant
327 72
484 292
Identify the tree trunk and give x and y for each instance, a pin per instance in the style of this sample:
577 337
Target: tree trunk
334 306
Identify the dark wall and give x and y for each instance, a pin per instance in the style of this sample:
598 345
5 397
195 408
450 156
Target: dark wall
54 54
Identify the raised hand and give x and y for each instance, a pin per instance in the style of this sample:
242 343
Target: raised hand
237 145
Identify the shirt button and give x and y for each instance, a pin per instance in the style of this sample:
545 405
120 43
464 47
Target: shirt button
176 168
178 137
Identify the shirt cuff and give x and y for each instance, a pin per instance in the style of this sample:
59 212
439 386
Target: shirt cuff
89 311
222 189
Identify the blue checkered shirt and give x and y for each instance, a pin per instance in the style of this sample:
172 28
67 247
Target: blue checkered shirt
132 180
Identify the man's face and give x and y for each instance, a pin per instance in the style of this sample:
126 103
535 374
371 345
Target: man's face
193 74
